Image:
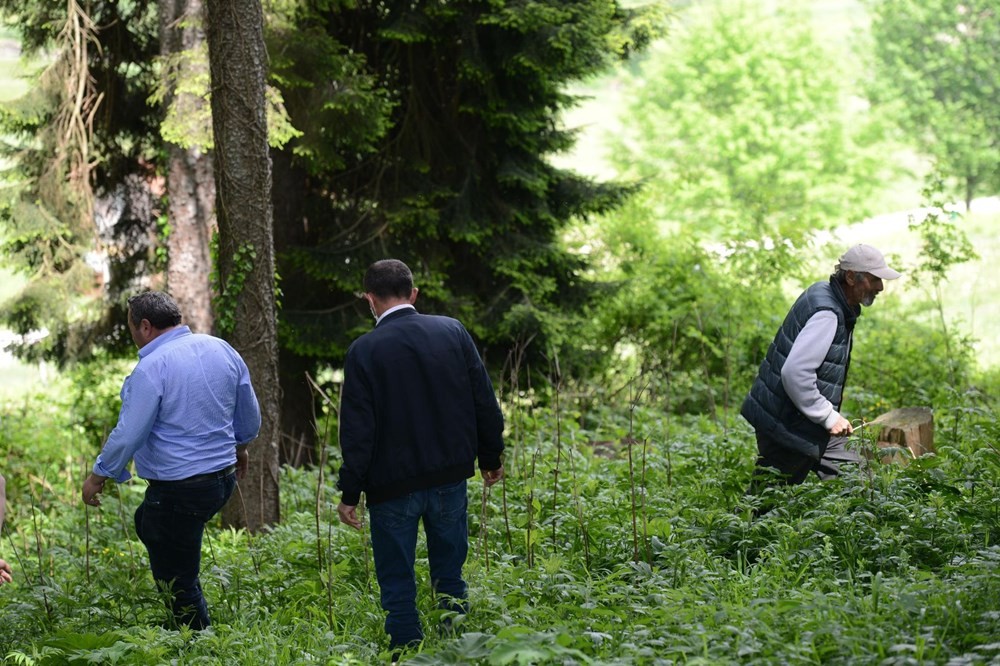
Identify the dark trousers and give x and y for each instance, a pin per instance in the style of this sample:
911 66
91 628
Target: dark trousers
170 522
444 511
793 466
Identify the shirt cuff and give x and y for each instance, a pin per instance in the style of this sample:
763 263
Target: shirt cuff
121 477
350 498
831 419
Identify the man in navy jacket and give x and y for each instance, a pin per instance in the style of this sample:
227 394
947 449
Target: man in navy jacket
417 410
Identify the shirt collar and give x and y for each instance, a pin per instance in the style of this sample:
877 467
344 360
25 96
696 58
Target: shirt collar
162 339
394 308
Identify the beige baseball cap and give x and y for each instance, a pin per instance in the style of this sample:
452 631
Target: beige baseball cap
866 259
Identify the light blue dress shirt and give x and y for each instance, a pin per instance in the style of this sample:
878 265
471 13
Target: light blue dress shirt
185 408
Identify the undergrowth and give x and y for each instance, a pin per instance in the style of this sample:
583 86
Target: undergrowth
620 536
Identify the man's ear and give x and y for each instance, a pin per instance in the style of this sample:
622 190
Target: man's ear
413 296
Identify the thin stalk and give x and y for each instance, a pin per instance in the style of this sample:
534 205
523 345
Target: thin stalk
531 511
86 551
645 513
506 515
321 480
668 405
366 551
484 552
631 483
251 546
555 471
125 530
705 365
581 518
38 552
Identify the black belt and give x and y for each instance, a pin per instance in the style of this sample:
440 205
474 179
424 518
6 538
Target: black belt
197 478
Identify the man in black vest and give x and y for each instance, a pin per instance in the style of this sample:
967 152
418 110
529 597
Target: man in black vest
794 403
417 410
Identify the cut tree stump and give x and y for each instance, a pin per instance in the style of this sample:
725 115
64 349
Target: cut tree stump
910 428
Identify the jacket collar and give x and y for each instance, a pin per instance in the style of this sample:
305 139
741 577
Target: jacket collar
396 313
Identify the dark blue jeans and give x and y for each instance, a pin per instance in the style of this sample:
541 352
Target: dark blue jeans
444 511
170 523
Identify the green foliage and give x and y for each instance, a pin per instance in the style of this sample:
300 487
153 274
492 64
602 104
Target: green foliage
943 243
77 156
188 120
740 128
598 548
903 358
425 132
95 396
937 64
680 321
228 288
449 114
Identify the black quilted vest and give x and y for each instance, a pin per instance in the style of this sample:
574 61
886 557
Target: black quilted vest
767 407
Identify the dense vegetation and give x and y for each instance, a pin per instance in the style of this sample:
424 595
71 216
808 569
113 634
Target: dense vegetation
620 536
632 322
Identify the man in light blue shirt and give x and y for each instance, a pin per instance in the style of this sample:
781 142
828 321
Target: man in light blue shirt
188 412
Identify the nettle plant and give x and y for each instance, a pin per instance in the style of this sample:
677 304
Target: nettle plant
621 535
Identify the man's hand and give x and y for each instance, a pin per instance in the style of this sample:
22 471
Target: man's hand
92 487
349 515
5 576
491 476
242 462
841 427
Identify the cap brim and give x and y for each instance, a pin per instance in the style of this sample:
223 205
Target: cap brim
884 273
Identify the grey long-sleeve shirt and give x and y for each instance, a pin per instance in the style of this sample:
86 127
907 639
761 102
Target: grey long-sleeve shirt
798 374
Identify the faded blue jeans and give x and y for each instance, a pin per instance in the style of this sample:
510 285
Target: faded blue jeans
170 522
444 511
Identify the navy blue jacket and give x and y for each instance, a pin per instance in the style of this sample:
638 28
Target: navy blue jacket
417 409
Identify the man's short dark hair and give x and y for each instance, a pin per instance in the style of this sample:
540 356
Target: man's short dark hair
156 307
389 278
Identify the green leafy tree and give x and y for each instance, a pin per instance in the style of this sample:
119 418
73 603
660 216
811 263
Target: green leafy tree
460 101
79 206
937 67
740 128
425 131
742 135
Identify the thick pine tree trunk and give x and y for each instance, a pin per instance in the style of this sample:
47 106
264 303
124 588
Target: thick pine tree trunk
190 186
247 313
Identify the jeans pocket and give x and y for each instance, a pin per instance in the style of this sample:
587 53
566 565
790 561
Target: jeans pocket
451 501
394 513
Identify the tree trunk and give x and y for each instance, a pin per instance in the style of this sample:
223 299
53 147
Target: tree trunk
190 186
247 309
909 428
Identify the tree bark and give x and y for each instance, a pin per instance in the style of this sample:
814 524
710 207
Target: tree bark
247 311
190 186
906 428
